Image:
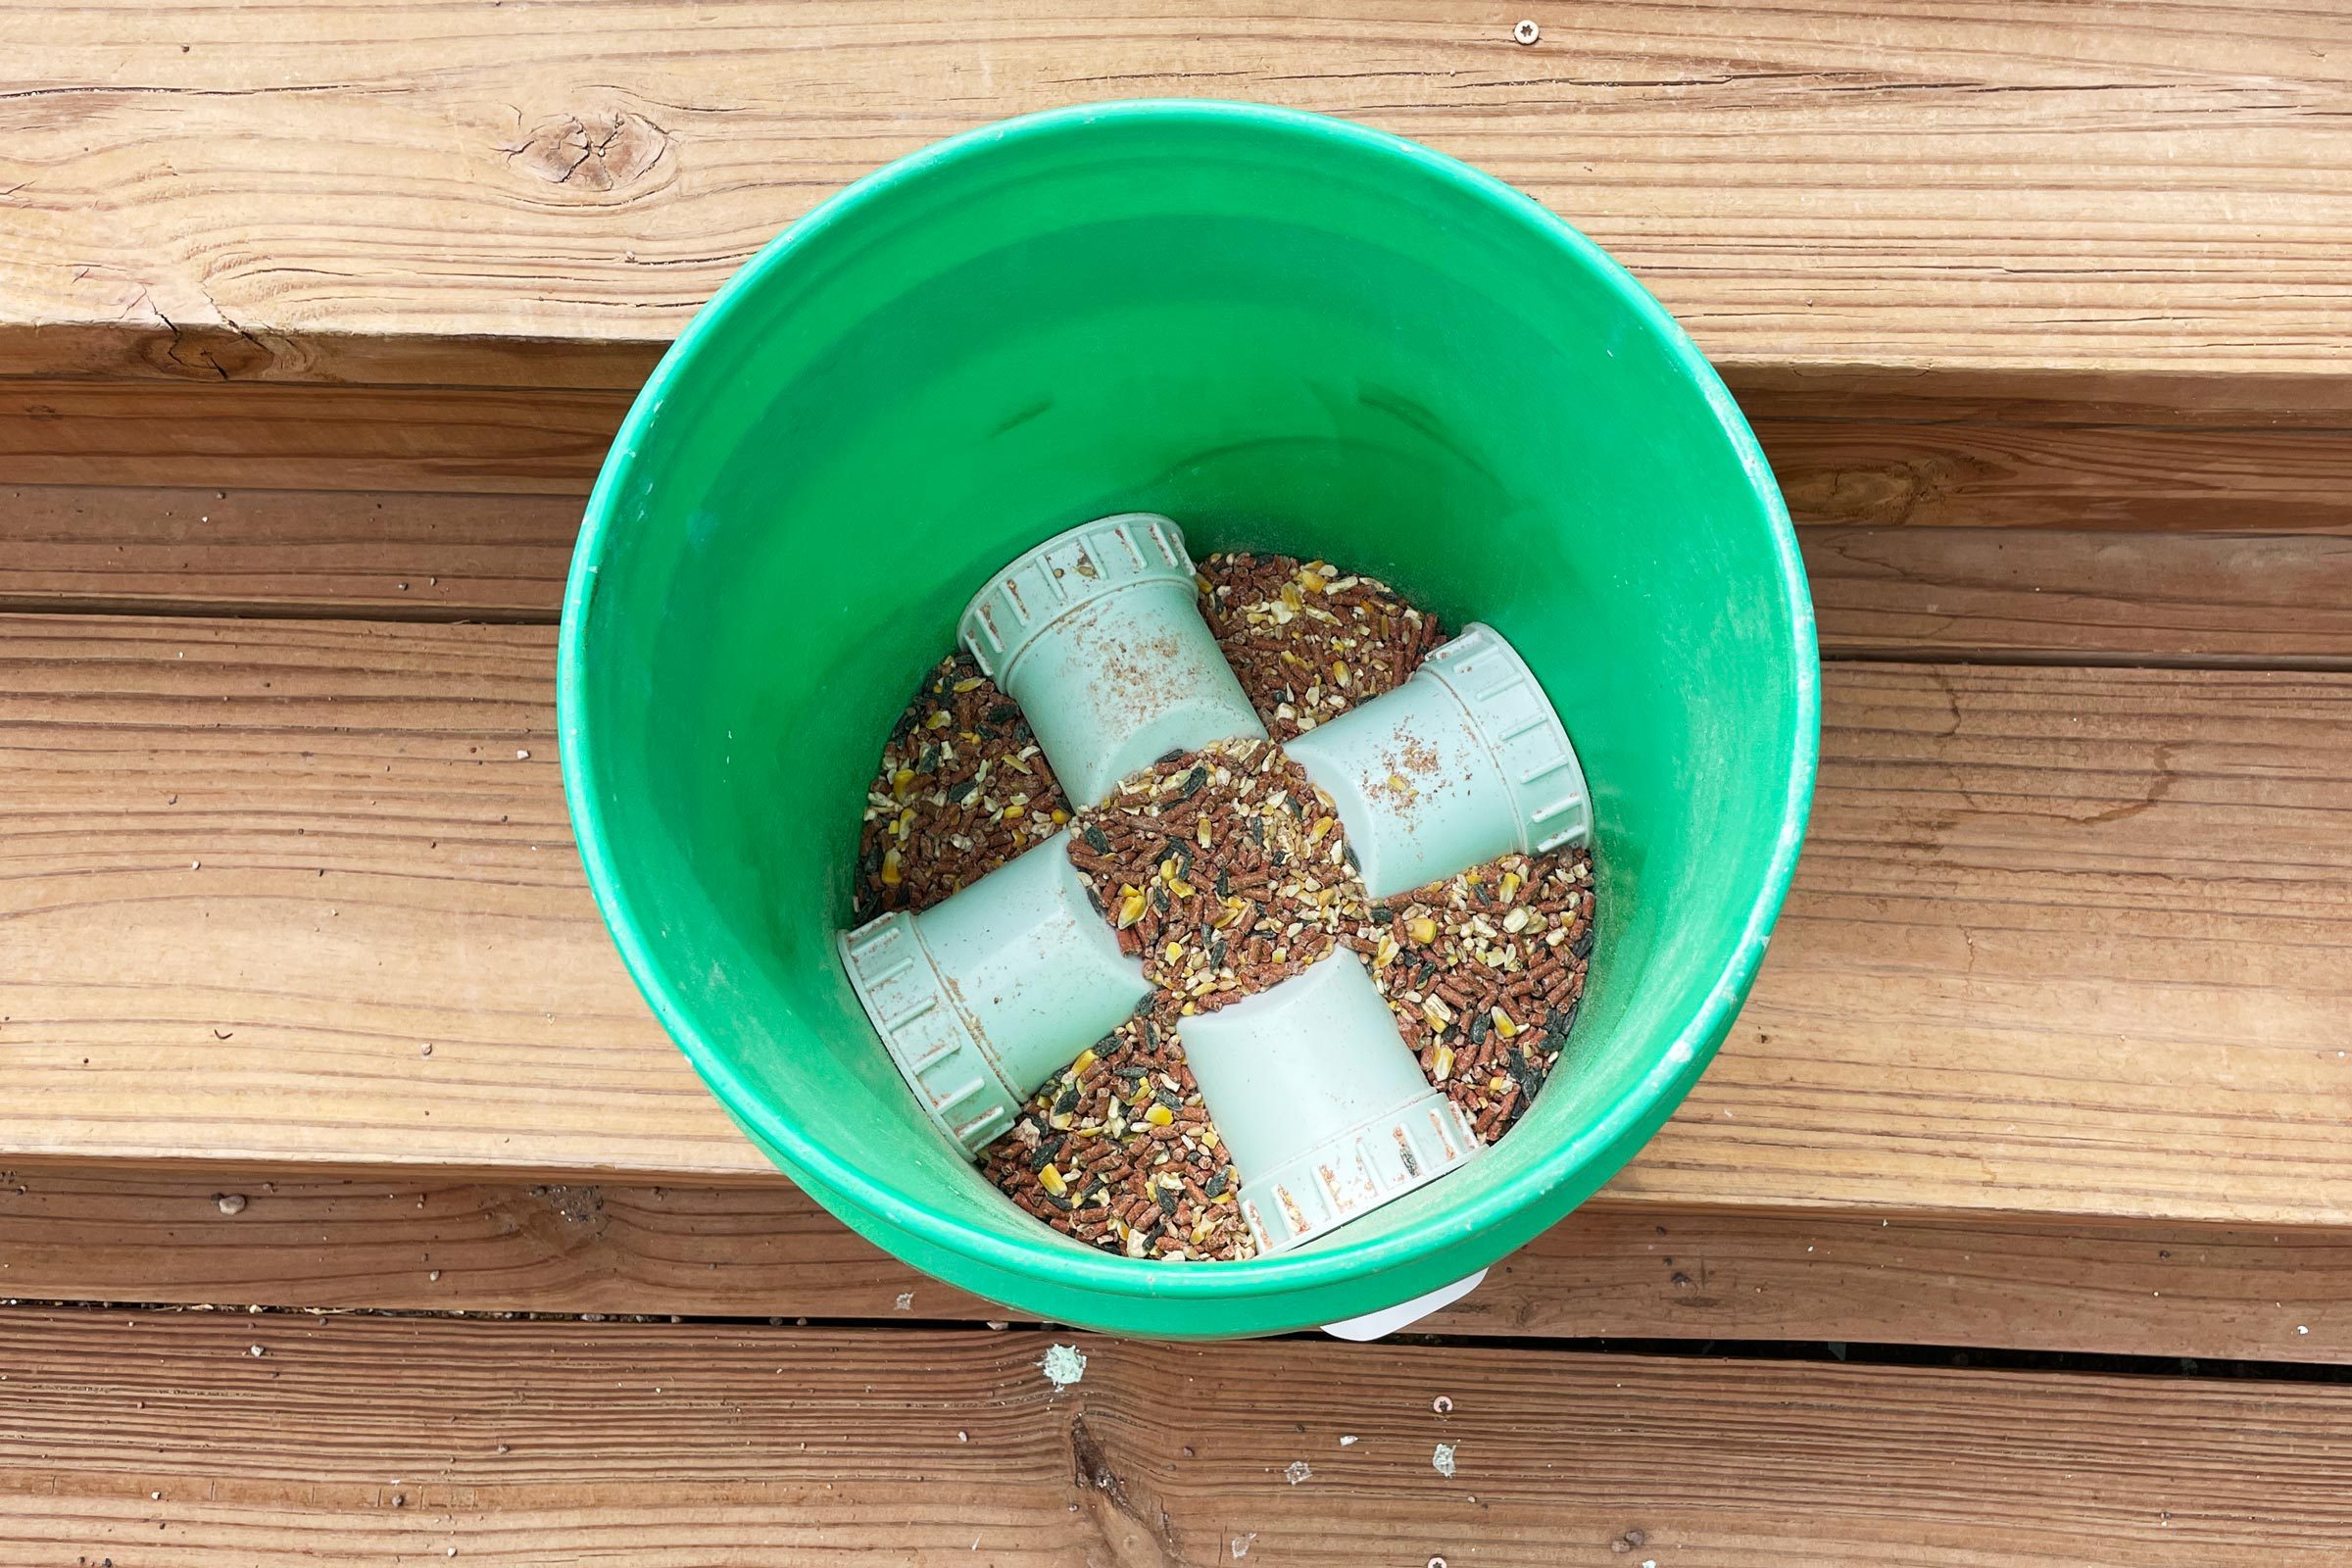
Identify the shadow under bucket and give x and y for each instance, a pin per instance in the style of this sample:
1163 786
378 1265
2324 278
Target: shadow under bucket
1291 334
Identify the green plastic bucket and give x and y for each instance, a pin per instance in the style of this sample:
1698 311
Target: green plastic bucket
1288 333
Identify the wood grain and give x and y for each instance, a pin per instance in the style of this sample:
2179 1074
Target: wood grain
1948 594
2064 941
374 1439
427 1243
2278 602
1827 181
2044 447
2002 264
525 441
1847 450
380 553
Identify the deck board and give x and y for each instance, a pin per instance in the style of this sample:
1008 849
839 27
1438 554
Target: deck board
425 1241
1821 182
372 1439
2064 942
1917 593
1992 263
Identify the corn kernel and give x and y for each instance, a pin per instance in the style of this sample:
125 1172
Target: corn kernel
890 868
1050 1180
970 683
1440 1066
1160 1115
1422 929
1085 1058
1503 1025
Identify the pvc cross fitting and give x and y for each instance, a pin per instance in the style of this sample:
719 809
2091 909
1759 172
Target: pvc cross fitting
1464 762
1321 1102
985 996
1097 634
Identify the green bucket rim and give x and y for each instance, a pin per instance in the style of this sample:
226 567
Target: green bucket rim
1579 1165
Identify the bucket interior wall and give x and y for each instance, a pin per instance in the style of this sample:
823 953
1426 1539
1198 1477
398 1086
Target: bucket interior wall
1287 342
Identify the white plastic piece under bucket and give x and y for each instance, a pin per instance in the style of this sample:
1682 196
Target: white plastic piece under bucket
1464 762
1404 1314
1097 634
1321 1103
983 996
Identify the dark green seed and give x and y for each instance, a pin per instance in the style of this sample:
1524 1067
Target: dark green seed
1095 840
1192 783
1214 1187
1581 943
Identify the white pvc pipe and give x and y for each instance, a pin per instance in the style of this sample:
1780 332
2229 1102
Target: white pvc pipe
1464 762
982 998
1320 1102
1097 634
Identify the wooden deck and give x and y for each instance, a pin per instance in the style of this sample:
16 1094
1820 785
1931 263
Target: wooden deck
313 323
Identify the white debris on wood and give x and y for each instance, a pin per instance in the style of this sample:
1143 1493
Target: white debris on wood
1443 1460
1064 1364
1298 1471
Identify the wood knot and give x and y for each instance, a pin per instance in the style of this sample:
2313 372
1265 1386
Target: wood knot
592 152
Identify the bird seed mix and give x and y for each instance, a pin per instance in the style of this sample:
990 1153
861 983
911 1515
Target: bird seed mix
961 790
1309 641
1485 972
1117 1152
1224 868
